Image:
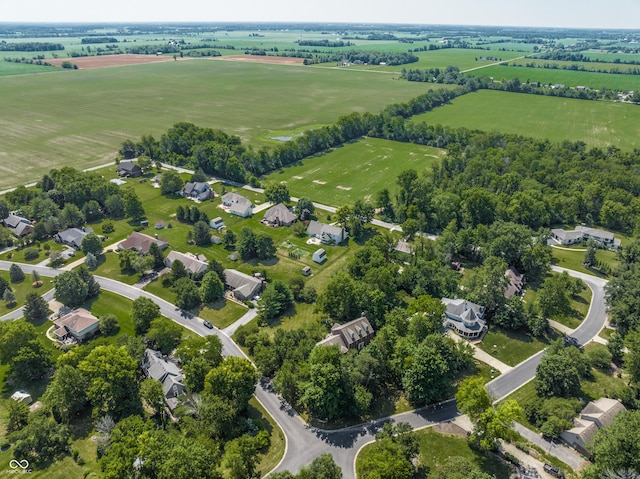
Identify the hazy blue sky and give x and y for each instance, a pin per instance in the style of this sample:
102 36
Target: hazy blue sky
551 13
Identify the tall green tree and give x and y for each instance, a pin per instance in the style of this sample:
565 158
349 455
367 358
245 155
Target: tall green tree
164 334
143 311
275 300
211 287
188 294
66 393
234 379
616 447
91 243
277 193
16 274
71 290
170 182
41 441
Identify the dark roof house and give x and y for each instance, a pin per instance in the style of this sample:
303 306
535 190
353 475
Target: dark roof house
199 191
20 226
167 372
242 285
72 236
352 335
464 317
279 215
140 242
516 282
129 168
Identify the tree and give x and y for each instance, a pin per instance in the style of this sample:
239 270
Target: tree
142 264
30 362
66 393
557 376
207 347
132 205
234 380
9 297
201 233
91 211
16 274
553 297
113 387
91 243
171 182
305 208
188 294
195 372
36 309
487 285
4 284
322 467
178 271
15 335
211 287
91 261
127 259
472 398
143 311
17 415
616 447
164 334
247 244
615 345
326 395
108 324
145 163
385 460
632 357
156 253
71 216
275 300
41 441
115 207
428 377
264 247
152 394
458 467
277 193
590 255
71 290
229 239
4 209
93 287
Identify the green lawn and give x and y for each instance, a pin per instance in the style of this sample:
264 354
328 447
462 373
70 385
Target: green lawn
570 78
511 347
43 130
21 290
436 447
354 171
11 68
597 123
572 259
17 255
222 313
270 458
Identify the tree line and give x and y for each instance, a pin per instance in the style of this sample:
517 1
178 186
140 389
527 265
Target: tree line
30 46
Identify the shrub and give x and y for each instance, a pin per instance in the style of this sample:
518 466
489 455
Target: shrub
107 227
30 254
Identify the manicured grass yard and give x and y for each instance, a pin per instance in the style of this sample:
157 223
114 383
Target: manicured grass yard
436 447
597 123
511 347
270 458
222 313
354 171
21 290
572 259
17 255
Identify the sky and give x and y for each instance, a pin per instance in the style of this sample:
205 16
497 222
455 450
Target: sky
597 14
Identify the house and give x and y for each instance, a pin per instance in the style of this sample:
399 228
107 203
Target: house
155 366
238 205
19 226
464 317
355 334
327 233
595 415
140 242
200 191
195 265
320 256
516 282
242 285
217 223
72 236
279 215
403 247
584 233
129 168
79 323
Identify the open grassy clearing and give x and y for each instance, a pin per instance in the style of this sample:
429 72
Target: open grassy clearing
10 68
436 447
21 290
354 171
566 64
569 78
573 259
43 130
512 347
598 124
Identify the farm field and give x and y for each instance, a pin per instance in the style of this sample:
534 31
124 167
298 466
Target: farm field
598 124
354 171
564 64
569 78
43 129
10 68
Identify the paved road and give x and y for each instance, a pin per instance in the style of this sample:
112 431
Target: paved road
18 313
595 320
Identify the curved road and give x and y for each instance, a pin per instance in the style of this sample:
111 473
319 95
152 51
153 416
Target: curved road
304 443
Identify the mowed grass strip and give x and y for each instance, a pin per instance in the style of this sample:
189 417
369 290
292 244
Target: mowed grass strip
354 171
569 78
597 123
80 118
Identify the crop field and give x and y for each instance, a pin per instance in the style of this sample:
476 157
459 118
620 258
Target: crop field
10 68
598 124
354 171
566 77
80 118
603 66
597 55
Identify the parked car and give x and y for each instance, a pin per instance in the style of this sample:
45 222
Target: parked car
553 470
207 324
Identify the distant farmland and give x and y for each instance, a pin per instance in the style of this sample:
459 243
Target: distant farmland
569 78
354 171
597 123
80 118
